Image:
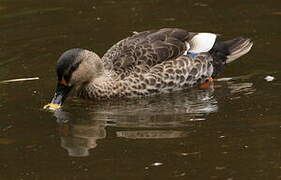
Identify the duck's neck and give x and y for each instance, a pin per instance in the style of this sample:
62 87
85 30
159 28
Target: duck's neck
104 87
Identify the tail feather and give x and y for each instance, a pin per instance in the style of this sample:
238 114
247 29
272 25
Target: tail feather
241 47
227 51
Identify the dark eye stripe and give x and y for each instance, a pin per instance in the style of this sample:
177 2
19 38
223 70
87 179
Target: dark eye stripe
73 67
67 64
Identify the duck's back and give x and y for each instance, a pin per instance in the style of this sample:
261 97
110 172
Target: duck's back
164 60
146 49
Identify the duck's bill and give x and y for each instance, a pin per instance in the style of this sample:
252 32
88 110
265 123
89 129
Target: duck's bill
52 107
59 97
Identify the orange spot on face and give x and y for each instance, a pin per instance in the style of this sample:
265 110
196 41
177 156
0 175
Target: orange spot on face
63 82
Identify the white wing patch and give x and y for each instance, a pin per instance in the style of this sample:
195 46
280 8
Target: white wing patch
202 42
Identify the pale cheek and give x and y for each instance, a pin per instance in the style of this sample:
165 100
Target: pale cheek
80 77
74 79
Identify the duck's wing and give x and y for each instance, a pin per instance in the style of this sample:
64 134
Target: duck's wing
153 47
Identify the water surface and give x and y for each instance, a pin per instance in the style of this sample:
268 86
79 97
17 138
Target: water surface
231 132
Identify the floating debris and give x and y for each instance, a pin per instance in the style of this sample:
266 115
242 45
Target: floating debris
19 80
157 164
269 78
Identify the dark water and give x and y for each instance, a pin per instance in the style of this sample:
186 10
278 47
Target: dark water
229 133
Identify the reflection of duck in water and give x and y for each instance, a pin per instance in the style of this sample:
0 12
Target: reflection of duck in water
149 62
77 138
159 117
167 109
142 119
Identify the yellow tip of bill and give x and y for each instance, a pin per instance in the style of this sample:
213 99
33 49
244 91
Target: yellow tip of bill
51 106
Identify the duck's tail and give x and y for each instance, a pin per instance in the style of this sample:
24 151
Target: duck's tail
228 51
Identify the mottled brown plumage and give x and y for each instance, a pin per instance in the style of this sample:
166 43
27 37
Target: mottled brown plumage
147 63
181 72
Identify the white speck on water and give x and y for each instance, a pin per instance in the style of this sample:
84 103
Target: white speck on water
180 174
157 164
269 78
184 154
191 153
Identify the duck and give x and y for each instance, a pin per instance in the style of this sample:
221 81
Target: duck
144 64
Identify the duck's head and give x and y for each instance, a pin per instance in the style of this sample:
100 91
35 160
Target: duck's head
75 68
